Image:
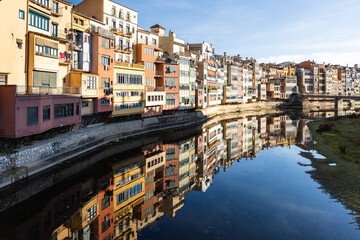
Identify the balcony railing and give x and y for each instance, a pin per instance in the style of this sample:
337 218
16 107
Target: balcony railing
44 90
121 32
128 65
123 49
159 73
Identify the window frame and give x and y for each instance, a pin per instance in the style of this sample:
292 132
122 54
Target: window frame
21 14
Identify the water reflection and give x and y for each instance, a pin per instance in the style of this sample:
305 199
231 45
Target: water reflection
125 193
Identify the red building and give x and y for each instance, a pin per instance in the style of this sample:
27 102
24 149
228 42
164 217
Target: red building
102 60
170 79
25 115
171 178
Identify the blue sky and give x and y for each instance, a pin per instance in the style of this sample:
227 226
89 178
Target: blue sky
268 30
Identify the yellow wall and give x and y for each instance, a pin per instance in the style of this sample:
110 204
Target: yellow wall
78 26
120 87
12 29
126 174
84 211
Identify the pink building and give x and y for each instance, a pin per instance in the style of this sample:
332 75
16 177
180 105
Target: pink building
25 115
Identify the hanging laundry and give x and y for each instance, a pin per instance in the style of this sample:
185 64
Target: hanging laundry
62 55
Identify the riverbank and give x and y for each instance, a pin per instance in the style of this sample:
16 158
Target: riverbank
338 139
29 160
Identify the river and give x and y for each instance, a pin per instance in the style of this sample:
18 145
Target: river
243 178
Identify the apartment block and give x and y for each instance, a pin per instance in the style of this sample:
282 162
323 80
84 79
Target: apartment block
149 54
121 20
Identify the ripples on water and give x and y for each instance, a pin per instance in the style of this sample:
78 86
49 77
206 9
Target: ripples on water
234 179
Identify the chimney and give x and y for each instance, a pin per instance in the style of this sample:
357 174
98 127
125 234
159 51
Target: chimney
172 34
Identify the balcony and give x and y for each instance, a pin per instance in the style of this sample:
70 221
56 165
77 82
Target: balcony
122 49
120 32
159 73
44 90
128 65
64 61
159 60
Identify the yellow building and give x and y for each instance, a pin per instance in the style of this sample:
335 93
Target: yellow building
289 70
129 191
129 89
49 49
13 16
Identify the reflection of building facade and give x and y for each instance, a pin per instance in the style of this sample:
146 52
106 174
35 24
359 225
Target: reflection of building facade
126 195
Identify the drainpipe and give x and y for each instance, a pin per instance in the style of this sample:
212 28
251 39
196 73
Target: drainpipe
27 48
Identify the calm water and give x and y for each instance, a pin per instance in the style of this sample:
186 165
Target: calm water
232 179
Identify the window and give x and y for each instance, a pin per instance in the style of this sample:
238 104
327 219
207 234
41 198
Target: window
55 8
105 102
54 29
63 110
154 41
122 197
121 14
3 79
92 212
32 116
149 51
105 83
43 2
105 60
21 14
105 202
135 190
128 105
77 108
44 79
105 43
170 69
149 209
85 104
113 10
169 184
81 22
91 82
38 21
128 79
170 82
149 179
149 65
46 113
46 50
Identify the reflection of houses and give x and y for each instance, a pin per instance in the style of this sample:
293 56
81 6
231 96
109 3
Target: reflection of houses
171 178
129 192
155 158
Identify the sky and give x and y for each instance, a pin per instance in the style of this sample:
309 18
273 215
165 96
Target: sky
268 30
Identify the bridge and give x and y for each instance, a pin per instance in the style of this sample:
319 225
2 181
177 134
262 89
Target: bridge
338 103
336 97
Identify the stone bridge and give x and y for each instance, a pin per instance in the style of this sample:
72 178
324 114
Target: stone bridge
327 102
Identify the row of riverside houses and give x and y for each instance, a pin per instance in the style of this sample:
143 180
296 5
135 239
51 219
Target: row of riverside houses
64 65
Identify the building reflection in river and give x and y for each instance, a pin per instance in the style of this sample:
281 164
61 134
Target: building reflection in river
127 193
